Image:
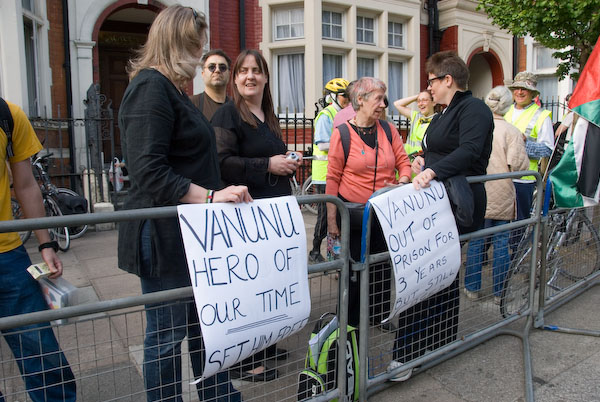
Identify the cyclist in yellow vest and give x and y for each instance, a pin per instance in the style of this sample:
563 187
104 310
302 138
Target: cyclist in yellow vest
419 120
535 124
336 98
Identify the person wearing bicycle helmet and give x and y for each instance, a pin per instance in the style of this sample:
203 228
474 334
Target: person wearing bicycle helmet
337 99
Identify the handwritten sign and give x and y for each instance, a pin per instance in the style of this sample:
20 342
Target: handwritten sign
248 267
422 238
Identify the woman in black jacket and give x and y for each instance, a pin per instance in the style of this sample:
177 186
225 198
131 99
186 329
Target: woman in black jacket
458 141
172 159
252 153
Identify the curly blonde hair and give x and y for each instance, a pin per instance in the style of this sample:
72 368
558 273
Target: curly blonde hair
176 36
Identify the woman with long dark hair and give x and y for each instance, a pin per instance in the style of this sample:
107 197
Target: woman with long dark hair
252 153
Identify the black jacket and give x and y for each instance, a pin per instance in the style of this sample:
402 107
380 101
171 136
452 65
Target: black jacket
459 141
167 144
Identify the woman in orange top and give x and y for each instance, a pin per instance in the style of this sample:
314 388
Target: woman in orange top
372 163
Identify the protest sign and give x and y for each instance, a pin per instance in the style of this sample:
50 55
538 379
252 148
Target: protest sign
422 238
248 267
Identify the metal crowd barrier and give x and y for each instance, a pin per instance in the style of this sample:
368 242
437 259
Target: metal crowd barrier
103 341
571 249
462 323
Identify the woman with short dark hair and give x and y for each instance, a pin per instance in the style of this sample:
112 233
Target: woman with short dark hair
458 141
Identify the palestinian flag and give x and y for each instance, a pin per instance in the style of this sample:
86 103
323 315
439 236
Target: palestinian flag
586 97
576 176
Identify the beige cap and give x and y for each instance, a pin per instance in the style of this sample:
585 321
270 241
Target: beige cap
525 80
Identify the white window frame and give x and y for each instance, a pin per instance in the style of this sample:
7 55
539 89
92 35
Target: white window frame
364 30
402 35
392 110
41 105
332 25
275 81
289 23
536 49
370 57
329 52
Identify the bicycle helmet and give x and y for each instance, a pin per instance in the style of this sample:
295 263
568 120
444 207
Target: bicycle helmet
336 86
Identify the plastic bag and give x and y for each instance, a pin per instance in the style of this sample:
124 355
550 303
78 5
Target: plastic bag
115 174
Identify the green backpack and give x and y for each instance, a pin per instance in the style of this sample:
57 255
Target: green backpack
320 372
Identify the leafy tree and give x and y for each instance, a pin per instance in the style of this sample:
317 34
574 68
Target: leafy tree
571 26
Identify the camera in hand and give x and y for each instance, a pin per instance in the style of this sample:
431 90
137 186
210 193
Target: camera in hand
293 156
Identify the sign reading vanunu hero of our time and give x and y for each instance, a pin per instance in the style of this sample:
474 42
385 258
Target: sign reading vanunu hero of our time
248 268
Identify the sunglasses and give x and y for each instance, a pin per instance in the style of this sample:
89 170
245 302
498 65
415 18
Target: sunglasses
222 67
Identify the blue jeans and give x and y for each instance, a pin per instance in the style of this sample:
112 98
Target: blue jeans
501 259
524 194
44 368
167 324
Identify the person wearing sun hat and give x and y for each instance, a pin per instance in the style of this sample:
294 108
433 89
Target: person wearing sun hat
535 124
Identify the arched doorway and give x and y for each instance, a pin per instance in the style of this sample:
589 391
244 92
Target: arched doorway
485 72
122 32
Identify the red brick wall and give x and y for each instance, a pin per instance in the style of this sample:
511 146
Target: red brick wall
450 39
253 24
57 57
225 25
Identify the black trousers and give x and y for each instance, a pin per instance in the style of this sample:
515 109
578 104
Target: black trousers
433 322
321 225
380 275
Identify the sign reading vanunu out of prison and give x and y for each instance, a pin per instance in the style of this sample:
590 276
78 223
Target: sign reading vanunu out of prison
422 238
248 267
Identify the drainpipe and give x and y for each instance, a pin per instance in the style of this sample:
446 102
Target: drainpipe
69 88
433 27
515 63
242 25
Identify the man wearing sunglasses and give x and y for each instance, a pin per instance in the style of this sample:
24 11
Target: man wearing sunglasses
215 74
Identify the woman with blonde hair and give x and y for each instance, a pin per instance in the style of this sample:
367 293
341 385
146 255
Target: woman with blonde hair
171 156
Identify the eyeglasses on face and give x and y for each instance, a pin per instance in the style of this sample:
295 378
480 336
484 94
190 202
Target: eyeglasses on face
222 67
439 77
194 13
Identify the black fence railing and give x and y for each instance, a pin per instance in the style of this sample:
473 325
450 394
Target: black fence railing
72 166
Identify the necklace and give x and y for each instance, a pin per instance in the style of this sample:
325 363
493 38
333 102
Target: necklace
363 131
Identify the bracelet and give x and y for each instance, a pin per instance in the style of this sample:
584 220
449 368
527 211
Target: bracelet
209 196
51 244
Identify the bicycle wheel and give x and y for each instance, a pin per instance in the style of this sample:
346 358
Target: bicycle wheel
309 189
577 254
60 234
74 231
18 214
515 293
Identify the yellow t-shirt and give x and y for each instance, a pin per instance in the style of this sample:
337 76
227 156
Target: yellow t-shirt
25 144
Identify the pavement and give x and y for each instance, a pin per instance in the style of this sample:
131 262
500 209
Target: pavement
566 367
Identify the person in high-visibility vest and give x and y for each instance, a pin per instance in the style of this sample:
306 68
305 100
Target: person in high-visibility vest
336 95
535 124
419 120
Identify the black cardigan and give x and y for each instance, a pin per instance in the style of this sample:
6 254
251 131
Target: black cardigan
167 144
459 141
